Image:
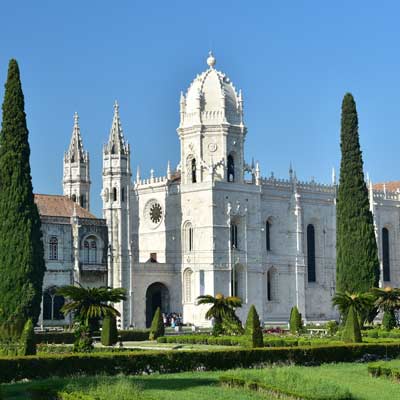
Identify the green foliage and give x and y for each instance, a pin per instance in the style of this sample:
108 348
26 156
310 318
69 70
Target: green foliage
357 264
137 363
252 329
286 382
390 369
131 335
361 302
28 343
389 320
295 322
89 305
157 326
109 332
21 249
83 342
332 328
351 332
222 310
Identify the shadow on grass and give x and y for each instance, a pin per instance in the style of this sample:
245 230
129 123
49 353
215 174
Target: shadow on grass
173 384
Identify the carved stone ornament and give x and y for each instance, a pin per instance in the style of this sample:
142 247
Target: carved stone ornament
212 147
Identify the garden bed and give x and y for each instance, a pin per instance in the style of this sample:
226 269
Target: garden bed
390 369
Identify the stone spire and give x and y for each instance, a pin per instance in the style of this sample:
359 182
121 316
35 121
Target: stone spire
116 141
75 151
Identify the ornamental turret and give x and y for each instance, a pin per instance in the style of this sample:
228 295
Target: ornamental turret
76 177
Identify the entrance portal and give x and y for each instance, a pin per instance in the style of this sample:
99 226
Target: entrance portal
157 295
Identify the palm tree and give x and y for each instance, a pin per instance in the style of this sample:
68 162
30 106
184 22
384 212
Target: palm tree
89 305
361 302
388 301
223 311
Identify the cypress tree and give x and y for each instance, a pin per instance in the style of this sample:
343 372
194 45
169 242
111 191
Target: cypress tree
357 264
21 249
253 331
157 325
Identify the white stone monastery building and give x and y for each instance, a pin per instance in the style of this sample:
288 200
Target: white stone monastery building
215 225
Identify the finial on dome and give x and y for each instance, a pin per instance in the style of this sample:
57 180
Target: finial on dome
211 61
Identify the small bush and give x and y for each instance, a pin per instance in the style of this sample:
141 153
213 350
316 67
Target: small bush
28 344
253 331
157 326
109 332
332 328
295 322
389 320
351 332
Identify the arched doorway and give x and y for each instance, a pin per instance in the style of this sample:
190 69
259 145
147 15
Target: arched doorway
157 295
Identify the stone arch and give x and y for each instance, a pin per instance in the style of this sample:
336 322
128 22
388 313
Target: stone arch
188 286
157 295
92 249
191 169
188 236
230 168
272 284
52 303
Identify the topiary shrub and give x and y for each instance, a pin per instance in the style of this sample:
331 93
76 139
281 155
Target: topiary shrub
351 332
252 330
109 333
157 326
389 320
295 323
27 341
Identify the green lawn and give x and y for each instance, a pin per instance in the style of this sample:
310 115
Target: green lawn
204 385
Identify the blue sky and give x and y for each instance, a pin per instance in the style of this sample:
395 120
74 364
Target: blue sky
294 60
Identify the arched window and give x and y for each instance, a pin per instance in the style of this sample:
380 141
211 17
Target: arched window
267 235
122 194
86 252
193 170
239 281
311 253
231 168
234 236
93 252
188 285
386 254
272 284
74 198
52 304
114 194
82 201
53 248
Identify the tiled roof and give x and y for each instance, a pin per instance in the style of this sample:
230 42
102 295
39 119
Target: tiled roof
390 186
59 206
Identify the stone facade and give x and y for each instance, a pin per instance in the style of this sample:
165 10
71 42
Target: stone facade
212 225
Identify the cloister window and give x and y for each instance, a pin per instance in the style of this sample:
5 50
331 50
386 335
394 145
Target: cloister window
90 250
386 254
231 168
114 194
234 236
52 304
311 253
53 248
194 170
267 235
188 285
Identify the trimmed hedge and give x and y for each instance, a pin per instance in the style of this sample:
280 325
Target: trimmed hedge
131 335
242 341
38 367
281 392
383 368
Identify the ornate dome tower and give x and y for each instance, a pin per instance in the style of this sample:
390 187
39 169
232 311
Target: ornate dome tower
211 128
